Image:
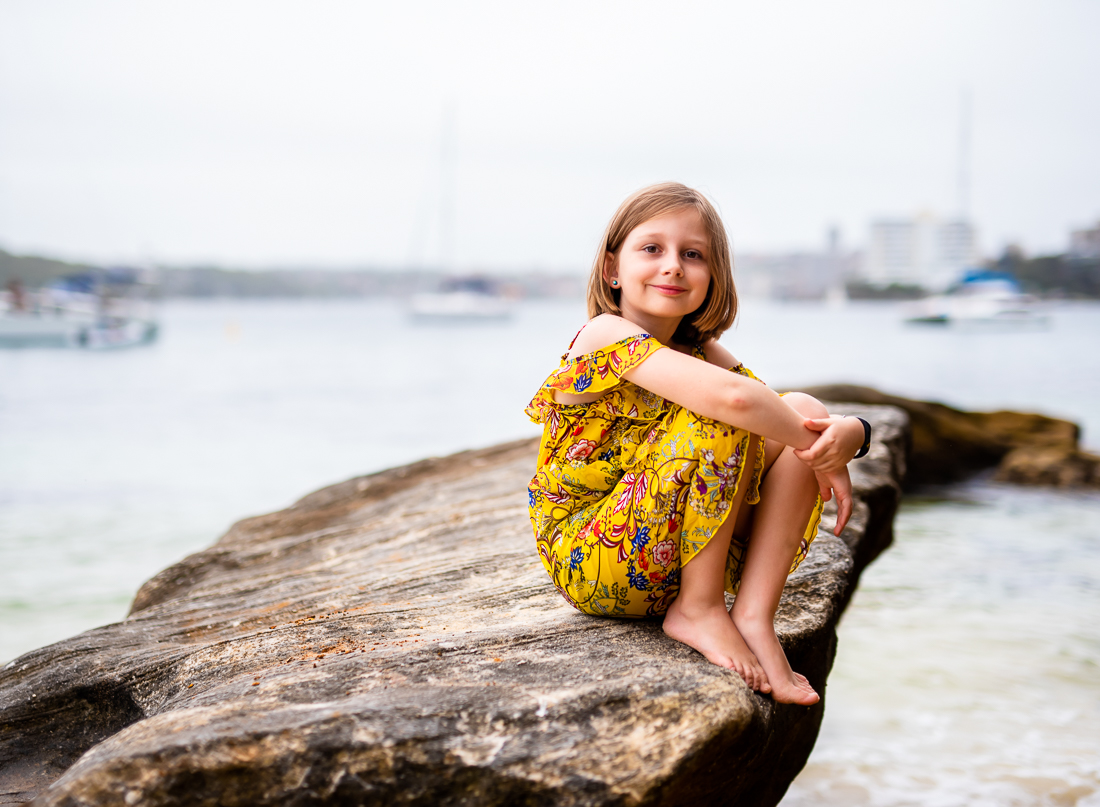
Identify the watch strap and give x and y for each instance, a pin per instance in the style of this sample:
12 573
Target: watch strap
863 449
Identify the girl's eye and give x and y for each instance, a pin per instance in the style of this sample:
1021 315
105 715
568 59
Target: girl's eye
650 248
693 255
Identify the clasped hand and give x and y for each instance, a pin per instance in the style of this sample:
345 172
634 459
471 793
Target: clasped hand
839 440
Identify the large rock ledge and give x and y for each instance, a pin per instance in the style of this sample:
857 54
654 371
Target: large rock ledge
394 640
950 444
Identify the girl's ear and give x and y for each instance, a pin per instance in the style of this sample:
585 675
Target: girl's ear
610 270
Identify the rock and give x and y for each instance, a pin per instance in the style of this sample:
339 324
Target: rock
1060 466
394 640
950 444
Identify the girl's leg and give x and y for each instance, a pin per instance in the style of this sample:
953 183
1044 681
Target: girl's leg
697 617
778 522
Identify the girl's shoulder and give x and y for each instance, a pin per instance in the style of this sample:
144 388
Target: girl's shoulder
601 331
719 356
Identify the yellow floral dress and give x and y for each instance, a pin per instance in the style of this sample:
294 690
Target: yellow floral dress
630 487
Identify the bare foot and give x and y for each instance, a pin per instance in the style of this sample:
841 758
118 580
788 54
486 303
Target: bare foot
710 630
787 686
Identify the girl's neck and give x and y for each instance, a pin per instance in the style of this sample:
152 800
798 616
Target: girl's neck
661 328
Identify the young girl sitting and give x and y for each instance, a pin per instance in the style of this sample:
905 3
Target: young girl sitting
667 472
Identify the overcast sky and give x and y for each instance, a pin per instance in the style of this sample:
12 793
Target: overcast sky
266 133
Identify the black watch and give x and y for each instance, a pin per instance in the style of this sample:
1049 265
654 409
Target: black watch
863 449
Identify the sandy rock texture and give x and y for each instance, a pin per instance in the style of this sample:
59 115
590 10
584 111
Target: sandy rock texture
394 640
950 444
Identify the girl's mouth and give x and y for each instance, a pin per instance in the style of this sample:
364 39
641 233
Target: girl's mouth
672 291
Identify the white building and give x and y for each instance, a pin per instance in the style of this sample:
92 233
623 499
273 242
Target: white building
922 251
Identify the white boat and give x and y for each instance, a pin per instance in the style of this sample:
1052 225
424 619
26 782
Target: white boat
97 311
30 330
462 300
982 299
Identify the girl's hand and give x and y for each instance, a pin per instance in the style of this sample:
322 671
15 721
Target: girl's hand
839 483
840 439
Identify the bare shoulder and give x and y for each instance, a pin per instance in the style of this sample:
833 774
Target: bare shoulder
601 331
719 356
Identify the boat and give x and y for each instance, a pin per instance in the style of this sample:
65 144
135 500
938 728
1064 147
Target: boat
462 299
99 310
982 298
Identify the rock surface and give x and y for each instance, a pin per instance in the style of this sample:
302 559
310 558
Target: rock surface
950 444
394 640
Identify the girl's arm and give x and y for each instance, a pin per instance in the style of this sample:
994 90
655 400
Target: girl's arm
697 385
723 396
841 437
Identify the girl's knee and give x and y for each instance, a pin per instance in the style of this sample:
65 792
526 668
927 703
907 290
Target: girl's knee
806 405
795 471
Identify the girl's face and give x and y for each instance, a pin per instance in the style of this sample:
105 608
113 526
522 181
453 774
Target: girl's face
662 270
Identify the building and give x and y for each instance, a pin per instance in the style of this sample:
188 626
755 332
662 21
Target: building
809 275
920 251
1085 244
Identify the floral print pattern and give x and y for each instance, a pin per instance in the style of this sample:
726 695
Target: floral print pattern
630 486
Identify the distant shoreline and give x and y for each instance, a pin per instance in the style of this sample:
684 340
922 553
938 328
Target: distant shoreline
205 282
1056 277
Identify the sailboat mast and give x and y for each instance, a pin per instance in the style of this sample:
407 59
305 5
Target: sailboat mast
447 191
963 179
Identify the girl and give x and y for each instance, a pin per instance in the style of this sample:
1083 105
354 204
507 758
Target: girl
667 472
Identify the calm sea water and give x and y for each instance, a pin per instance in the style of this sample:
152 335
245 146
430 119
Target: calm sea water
968 662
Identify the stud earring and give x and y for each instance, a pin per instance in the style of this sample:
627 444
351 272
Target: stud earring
614 283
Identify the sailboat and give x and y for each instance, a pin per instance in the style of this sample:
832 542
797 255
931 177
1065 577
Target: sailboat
457 298
462 299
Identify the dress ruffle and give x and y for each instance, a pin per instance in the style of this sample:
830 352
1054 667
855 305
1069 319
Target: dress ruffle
597 371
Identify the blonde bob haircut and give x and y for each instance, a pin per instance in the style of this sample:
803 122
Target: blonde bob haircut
719 309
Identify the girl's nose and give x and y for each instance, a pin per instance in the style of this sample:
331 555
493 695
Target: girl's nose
673 266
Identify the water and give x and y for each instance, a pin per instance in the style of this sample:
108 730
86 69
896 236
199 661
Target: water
967 664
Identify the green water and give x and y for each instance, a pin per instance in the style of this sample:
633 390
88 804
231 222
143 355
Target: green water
968 666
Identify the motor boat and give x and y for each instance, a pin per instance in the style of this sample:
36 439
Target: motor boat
982 298
103 309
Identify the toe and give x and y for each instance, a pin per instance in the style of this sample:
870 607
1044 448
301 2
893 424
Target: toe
746 676
806 695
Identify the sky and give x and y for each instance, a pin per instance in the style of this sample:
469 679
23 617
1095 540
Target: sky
501 136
